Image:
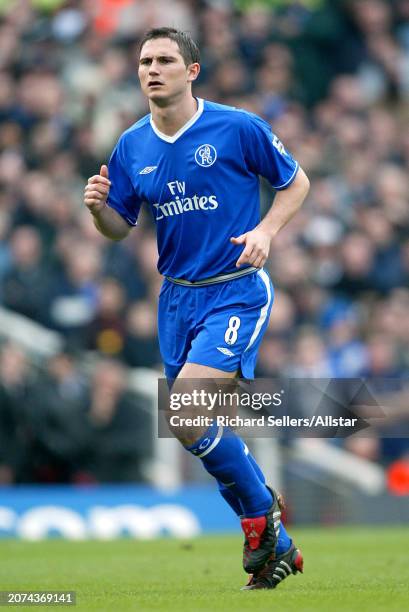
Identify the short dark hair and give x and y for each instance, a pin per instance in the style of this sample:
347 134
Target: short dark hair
187 46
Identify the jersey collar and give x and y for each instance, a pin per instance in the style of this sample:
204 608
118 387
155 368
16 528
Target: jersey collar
183 129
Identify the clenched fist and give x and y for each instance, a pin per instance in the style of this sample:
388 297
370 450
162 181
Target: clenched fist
97 190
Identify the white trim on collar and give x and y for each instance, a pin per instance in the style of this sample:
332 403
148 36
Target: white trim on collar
184 128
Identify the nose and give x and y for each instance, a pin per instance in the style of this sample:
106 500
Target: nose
154 67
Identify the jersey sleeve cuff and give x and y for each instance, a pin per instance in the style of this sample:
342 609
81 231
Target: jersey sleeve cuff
290 180
123 215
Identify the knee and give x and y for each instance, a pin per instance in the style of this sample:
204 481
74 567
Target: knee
186 435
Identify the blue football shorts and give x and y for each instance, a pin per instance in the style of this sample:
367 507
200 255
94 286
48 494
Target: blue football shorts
218 325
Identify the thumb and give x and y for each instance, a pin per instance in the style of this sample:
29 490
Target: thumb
239 240
104 171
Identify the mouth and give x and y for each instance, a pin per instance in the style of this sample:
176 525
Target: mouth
155 84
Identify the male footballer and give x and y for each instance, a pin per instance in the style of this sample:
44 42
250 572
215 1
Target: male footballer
197 166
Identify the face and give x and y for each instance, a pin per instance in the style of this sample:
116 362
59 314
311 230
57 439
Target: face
162 71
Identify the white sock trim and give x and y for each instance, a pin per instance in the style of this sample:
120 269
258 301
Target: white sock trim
213 444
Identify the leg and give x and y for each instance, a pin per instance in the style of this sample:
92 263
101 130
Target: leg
241 481
216 332
225 456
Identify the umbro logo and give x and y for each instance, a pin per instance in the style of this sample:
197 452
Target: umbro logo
148 169
225 351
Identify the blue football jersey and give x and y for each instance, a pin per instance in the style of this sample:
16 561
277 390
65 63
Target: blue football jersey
201 184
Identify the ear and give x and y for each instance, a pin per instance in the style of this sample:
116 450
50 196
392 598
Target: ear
193 72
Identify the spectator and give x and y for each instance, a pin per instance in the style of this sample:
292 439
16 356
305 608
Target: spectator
24 285
14 393
107 330
55 422
75 292
118 427
141 348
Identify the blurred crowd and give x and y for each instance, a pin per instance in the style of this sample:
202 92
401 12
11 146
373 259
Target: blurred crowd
331 77
61 424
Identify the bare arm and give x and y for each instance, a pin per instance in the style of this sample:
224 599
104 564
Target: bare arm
287 202
111 224
106 219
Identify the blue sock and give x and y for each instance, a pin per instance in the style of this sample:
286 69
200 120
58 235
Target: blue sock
284 541
255 465
229 495
231 498
223 456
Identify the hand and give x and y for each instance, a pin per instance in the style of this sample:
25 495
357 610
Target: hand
256 250
97 190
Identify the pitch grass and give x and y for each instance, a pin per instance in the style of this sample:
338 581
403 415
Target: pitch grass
346 570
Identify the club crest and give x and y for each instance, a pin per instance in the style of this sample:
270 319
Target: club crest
205 155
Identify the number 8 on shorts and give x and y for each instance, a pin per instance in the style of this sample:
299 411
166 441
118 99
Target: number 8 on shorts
230 336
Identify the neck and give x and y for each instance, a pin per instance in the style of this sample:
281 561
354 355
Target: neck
170 118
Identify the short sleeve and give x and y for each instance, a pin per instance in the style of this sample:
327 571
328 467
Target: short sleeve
266 155
122 196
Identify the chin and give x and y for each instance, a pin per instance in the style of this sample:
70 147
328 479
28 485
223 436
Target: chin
158 98
152 95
